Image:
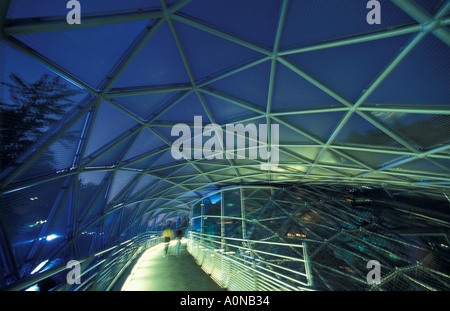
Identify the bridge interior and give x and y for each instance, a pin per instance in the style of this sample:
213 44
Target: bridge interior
339 161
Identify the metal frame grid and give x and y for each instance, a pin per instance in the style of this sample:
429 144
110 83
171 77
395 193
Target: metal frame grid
345 226
174 189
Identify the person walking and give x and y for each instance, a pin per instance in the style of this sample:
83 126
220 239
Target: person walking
178 236
167 234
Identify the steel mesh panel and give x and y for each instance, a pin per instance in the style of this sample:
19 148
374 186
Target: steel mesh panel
345 227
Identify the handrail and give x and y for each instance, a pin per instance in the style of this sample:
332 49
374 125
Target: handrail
214 254
252 241
255 250
104 278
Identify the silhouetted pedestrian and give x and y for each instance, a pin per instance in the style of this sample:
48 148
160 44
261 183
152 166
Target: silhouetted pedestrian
167 234
178 237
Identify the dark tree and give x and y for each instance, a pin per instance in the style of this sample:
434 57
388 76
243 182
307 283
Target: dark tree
32 110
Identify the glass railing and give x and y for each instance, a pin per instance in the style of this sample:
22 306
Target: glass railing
250 265
98 271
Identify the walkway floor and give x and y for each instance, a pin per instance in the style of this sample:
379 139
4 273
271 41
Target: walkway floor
154 272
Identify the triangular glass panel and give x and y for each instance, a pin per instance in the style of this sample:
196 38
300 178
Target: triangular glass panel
86 241
292 92
128 213
25 213
159 62
199 180
142 196
165 158
145 181
309 153
160 188
422 166
243 22
164 132
145 105
72 49
109 123
323 172
287 157
359 131
110 227
346 69
57 235
142 164
321 125
58 156
224 111
209 54
54 8
333 158
185 110
249 85
89 187
144 143
372 159
311 22
424 130
34 100
93 211
185 170
287 135
421 78
112 156
432 6
120 181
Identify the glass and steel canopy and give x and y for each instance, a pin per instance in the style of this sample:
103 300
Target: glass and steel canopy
88 109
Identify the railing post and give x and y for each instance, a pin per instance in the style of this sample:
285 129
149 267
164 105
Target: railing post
222 222
307 267
255 275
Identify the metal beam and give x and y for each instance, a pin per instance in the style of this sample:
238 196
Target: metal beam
429 24
130 54
404 108
354 40
404 160
380 78
143 90
220 33
46 142
233 71
27 26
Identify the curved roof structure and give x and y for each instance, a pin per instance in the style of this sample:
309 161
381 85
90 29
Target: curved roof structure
350 101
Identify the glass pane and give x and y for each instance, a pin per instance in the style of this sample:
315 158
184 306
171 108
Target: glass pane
233 229
212 205
254 201
196 224
232 203
211 225
197 209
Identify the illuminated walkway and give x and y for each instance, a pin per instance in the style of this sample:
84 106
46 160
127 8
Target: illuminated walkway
154 272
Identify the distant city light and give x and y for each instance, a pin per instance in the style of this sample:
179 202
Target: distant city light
34 288
51 237
39 267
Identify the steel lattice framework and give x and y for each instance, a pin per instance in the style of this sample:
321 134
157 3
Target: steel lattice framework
140 181
345 227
